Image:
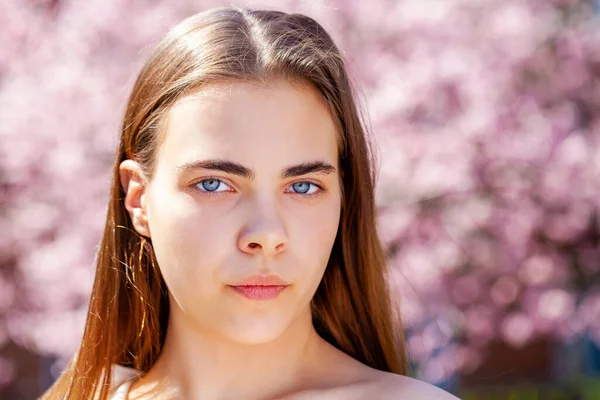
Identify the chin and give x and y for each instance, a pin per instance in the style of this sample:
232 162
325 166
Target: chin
255 332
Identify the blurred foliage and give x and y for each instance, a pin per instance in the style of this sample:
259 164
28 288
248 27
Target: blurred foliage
583 388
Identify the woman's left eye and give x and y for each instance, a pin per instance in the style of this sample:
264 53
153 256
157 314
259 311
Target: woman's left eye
305 188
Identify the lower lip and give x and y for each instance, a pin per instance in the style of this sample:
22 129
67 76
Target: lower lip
259 292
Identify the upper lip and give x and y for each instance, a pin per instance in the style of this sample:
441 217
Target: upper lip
262 280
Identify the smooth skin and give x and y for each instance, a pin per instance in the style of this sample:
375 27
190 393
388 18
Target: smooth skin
247 182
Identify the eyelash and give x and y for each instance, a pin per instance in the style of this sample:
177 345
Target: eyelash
214 194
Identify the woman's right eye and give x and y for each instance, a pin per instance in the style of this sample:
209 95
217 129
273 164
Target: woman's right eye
212 185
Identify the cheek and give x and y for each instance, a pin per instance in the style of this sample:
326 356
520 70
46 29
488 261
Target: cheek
324 236
189 242
314 236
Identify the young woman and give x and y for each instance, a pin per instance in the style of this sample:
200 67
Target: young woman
240 258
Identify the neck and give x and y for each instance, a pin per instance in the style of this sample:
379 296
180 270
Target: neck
196 364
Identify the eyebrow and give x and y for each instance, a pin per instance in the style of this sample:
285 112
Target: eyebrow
234 168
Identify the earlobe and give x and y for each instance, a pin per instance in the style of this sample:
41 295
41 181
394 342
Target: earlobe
134 185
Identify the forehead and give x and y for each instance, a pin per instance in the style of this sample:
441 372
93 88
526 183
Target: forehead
281 123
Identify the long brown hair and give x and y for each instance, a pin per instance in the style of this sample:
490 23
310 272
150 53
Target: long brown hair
129 306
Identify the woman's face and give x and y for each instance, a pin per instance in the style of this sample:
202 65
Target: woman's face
246 184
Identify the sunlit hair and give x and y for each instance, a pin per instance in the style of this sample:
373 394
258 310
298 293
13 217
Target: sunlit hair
129 305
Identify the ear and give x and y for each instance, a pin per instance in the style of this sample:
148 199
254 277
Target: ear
134 184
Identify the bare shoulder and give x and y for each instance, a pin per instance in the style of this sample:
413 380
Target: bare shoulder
393 386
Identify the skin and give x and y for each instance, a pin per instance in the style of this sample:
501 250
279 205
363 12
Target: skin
209 234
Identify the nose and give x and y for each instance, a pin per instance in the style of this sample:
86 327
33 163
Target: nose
264 234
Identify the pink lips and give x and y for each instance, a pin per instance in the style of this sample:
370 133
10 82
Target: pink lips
258 287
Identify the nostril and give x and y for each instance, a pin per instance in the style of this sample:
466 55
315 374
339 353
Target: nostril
253 245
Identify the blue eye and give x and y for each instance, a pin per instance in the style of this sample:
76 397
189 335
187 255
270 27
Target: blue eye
304 188
210 185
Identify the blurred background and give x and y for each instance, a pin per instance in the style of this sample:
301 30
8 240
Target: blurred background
485 113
